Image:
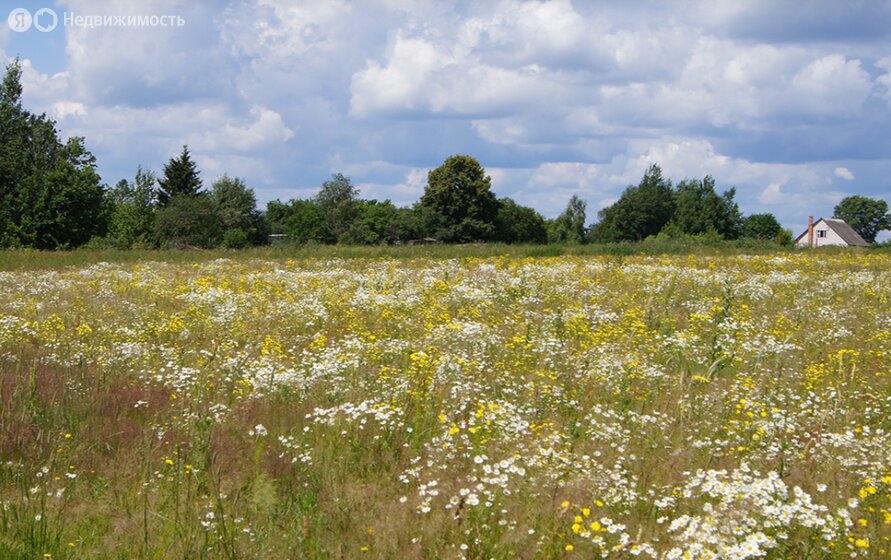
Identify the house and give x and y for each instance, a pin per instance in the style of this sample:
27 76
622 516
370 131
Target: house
829 232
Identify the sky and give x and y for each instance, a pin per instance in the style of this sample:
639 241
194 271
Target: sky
788 101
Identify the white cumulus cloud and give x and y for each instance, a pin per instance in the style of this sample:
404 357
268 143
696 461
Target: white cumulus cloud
772 194
844 173
554 97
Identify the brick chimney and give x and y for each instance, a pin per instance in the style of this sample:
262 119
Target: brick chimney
810 231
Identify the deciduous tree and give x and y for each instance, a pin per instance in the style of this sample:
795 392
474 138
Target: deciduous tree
133 210
699 209
237 208
569 227
50 191
762 226
519 224
641 211
867 216
188 221
460 193
337 201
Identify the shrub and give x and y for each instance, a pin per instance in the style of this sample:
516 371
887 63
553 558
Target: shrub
188 221
235 239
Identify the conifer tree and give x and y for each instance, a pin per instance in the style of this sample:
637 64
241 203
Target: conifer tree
180 178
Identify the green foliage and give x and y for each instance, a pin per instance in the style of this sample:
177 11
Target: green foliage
301 220
641 211
235 202
519 224
413 222
51 197
307 223
180 176
698 209
761 226
50 192
133 210
11 92
569 227
868 216
424 221
337 202
188 221
375 223
237 208
459 195
785 238
71 205
652 207
235 239
13 156
672 233
277 212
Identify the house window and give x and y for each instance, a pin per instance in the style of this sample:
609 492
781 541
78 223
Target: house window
821 233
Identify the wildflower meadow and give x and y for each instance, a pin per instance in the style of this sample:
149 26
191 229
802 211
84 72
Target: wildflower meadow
665 407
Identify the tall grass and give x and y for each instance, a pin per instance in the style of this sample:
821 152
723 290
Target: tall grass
29 259
445 402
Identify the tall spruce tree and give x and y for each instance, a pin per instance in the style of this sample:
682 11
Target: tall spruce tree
180 177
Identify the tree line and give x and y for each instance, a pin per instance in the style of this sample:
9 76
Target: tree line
51 196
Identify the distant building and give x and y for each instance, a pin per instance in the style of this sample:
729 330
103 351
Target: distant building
829 232
423 241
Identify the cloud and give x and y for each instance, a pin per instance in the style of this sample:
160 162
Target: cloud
884 81
772 194
549 186
266 129
733 87
405 192
41 91
62 109
4 36
844 173
831 86
147 66
420 76
554 98
402 82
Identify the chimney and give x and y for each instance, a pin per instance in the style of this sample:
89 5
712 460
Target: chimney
810 231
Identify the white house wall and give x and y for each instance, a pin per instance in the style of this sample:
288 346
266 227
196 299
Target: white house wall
831 239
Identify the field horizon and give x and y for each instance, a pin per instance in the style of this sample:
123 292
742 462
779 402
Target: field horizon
29 259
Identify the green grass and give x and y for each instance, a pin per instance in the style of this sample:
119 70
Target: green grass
30 259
